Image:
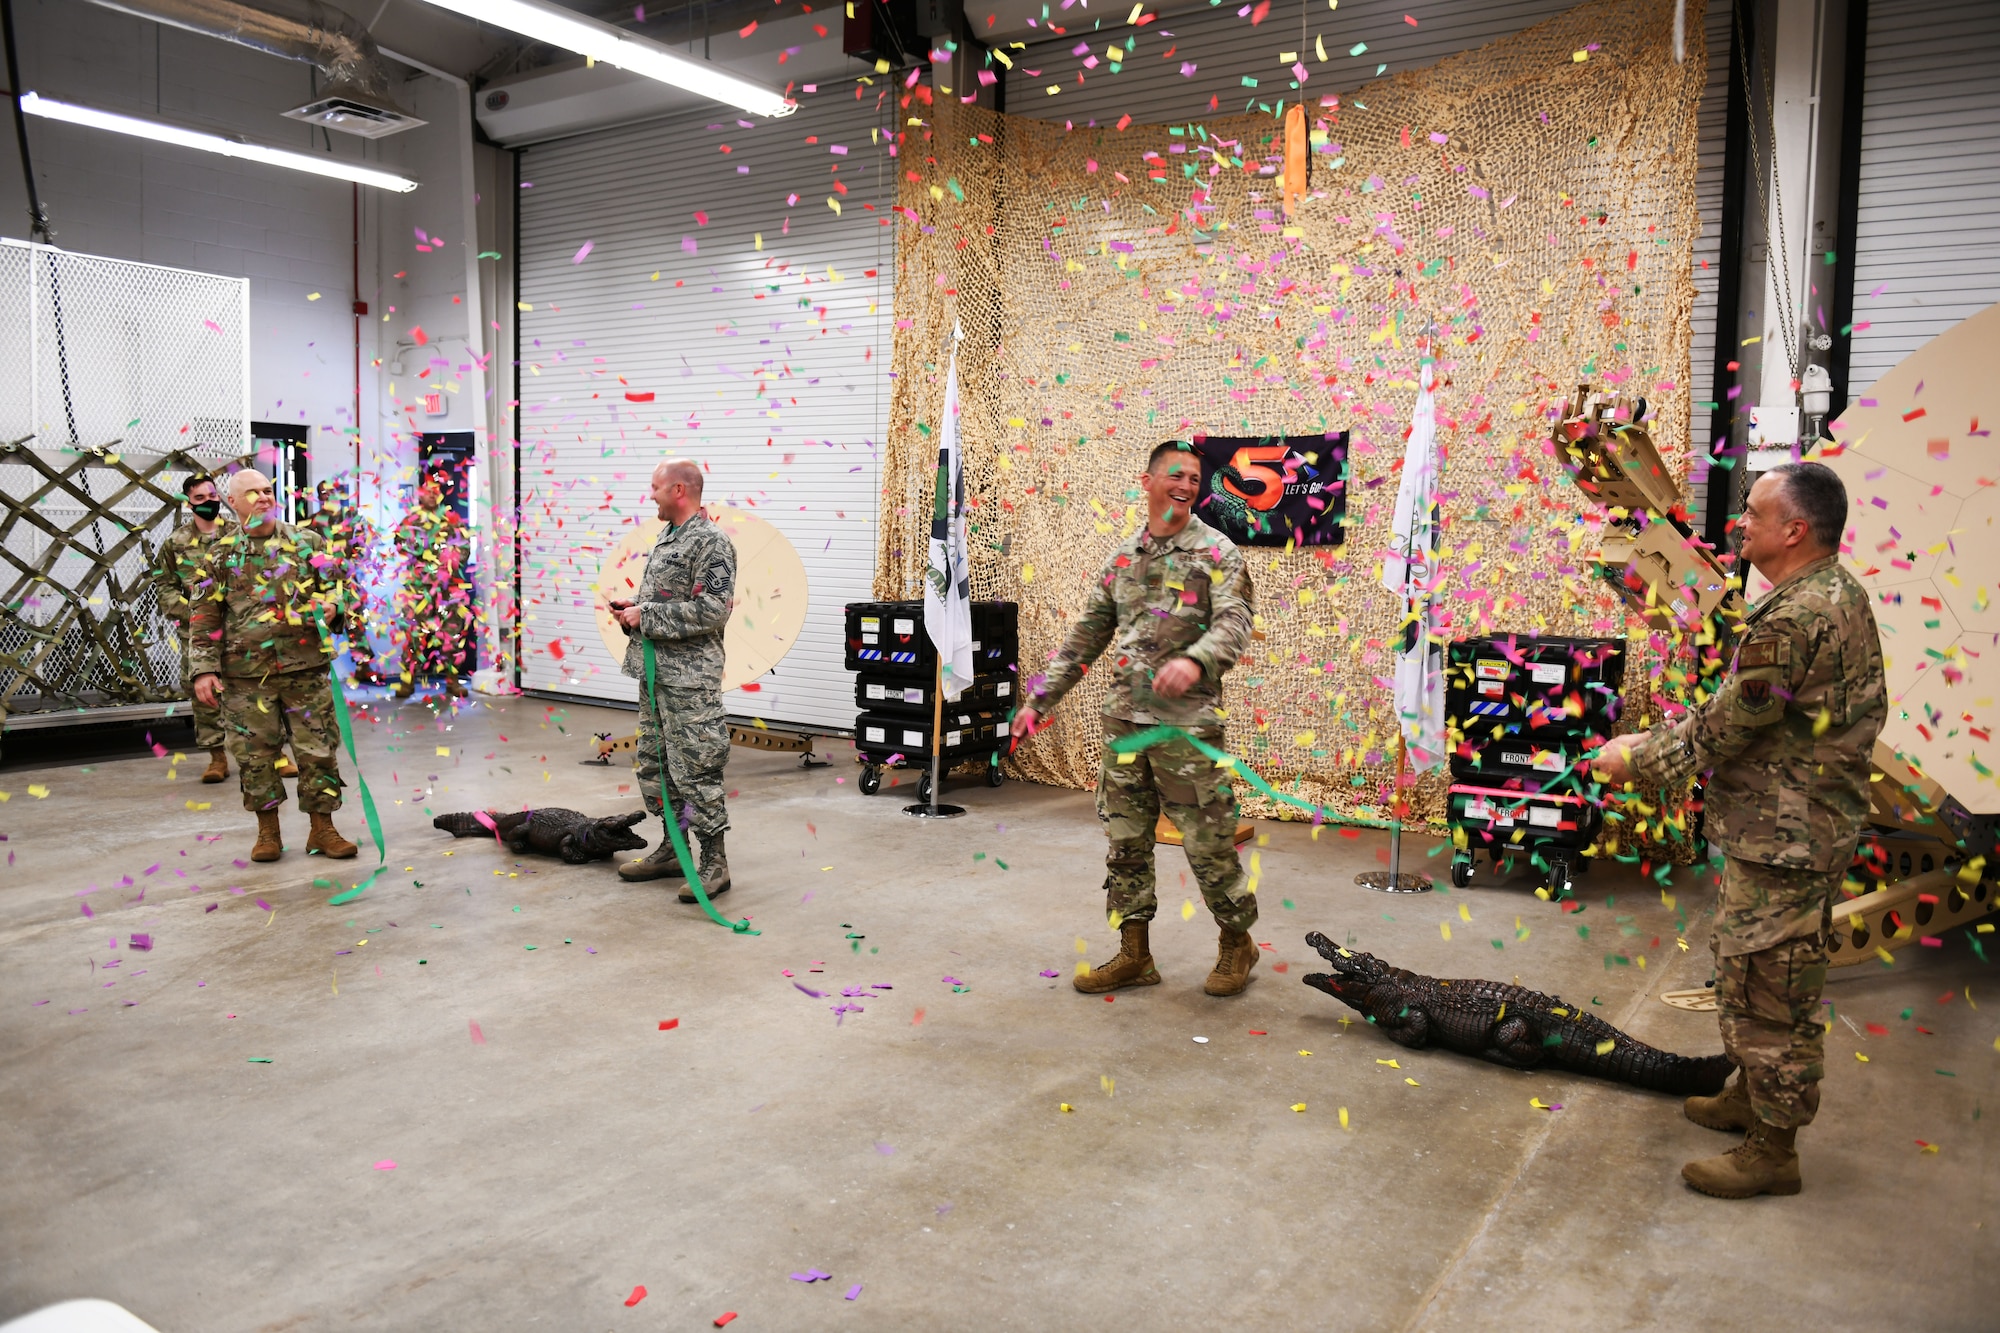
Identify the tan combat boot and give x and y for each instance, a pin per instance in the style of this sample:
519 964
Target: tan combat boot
714 871
270 843
1766 1162
326 840
455 688
1234 959
660 863
1132 967
285 767
1728 1109
405 687
218 765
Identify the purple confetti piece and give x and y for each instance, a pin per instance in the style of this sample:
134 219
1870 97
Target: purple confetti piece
211 907
1050 972
886 1149
952 981
141 942
263 906
880 985
816 994
854 1292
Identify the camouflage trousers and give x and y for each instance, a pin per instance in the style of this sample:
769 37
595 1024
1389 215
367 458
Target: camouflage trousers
1769 1010
208 732
1173 776
437 637
686 725
256 712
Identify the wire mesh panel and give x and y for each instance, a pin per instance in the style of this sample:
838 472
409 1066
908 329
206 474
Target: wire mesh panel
117 379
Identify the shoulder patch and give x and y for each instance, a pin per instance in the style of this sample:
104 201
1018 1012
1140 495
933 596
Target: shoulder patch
1764 652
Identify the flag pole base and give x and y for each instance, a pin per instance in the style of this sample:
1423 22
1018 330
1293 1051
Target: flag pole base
1383 882
934 812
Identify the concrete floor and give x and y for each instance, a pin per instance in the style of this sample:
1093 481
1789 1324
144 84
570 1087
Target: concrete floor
497 1038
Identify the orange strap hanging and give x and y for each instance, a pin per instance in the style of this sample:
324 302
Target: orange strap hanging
1297 148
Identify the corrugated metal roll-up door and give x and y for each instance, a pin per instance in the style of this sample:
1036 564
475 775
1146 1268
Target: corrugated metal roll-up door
1927 235
1222 49
641 273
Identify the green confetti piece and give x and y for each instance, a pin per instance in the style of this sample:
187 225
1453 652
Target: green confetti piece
259 1060
1357 48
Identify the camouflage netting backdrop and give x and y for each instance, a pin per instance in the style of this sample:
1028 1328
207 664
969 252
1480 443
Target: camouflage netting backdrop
1532 202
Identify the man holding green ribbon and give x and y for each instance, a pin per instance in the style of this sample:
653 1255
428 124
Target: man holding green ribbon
1173 603
257 647
680 610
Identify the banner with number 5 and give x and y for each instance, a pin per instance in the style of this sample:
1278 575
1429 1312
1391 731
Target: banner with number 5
1269 490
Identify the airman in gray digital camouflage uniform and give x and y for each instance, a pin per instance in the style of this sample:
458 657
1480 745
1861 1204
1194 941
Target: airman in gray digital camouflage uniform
682 607
1788 736
1173 603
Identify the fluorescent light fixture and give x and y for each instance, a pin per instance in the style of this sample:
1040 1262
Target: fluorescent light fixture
161 132
550 23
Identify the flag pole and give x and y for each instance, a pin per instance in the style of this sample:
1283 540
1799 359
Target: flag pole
937 733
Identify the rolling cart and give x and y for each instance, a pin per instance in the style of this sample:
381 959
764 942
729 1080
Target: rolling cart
896 687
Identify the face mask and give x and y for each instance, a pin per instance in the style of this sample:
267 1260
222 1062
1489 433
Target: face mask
207 510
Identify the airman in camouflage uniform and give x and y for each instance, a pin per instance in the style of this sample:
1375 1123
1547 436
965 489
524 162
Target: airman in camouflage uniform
179 558
681 607
1788 737
1173 604
256 647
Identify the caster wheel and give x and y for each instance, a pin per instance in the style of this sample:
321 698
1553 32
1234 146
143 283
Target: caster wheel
1559 880
924 788
994 777
871 780
1461 874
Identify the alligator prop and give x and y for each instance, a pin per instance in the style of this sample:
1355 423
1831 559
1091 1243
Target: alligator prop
1509 1025
555 832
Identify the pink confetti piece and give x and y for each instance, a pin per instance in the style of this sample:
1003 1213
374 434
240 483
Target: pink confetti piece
478 1037
385 1165
584 253
638 1294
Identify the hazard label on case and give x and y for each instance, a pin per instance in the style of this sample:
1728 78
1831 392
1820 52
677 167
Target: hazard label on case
1491 670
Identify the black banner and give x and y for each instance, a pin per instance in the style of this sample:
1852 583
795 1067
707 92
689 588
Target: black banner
1270 490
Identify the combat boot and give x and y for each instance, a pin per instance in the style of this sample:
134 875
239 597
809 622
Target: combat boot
270 842
218 765
326 840
1235 957
1766 1162
1728 1109
1132 967
660 863
455 688
714 870
405 687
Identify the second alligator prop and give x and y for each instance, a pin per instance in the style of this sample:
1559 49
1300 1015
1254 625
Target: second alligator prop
1509 1025
553 831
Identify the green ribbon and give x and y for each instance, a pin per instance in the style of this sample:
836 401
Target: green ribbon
367 797
1152 736
672 819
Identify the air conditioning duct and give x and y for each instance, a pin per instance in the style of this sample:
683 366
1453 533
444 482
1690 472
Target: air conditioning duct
355 98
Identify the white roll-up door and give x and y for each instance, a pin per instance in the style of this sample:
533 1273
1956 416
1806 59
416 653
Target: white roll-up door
641 273
1927 251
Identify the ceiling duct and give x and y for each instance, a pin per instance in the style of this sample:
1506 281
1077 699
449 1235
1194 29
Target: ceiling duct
355 98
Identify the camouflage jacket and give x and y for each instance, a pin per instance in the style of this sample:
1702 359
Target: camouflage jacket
435 548
684 600
1788 735
173 573
1155 599
254 602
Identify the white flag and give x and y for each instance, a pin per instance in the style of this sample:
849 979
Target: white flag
947 580
1410 571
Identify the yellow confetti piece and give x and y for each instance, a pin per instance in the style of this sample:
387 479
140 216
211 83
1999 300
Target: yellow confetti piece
200 805
1305 1052
1083 967
1444 929
1300 1106
444 750
1319 48
1081 946
1464 912
312 296
1862 1058
1579 56
1413 1083
1187 909
1927 1148
1391 1063
1064 1107
1538 1103
1343 1117
38 791
1607 1046
1888 960
1108 1083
